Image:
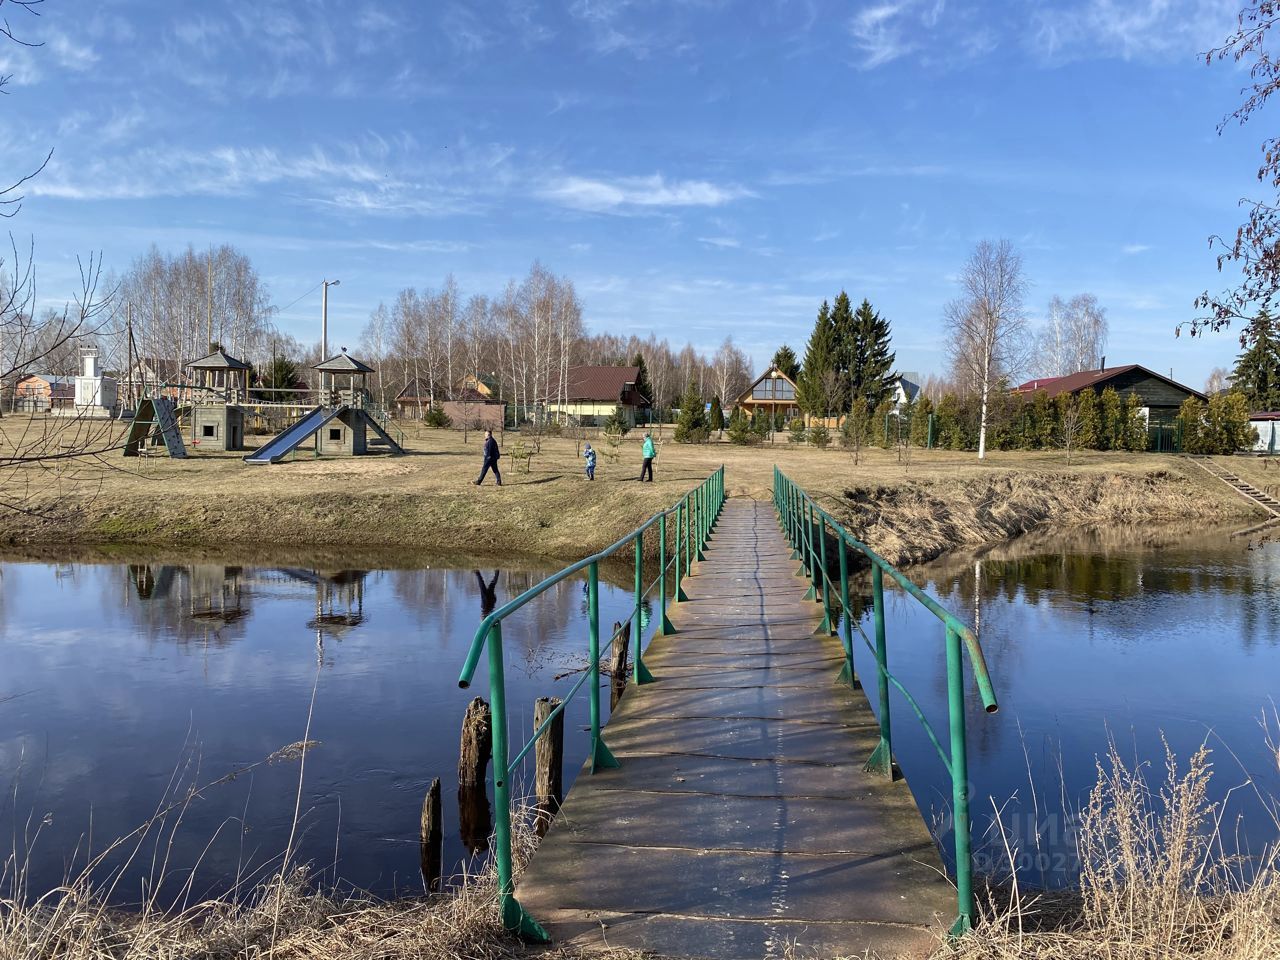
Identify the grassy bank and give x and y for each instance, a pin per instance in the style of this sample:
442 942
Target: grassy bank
425 501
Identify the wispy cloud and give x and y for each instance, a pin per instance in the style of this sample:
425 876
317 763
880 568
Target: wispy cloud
71 54
880 33
1129 249
723 243
1130 29
632 194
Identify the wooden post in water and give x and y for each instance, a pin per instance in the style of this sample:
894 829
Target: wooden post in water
474 815
477 744
431 839
618 664
549 765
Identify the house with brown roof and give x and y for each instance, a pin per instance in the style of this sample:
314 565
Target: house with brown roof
591 394
1161 396
773 393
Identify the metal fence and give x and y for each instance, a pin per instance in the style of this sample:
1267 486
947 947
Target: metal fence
690 520
808 528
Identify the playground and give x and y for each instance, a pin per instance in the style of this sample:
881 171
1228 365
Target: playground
546 507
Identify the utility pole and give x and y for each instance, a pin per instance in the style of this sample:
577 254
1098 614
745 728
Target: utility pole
209 298
324 322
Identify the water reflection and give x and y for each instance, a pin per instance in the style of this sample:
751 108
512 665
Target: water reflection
1131 636
142 668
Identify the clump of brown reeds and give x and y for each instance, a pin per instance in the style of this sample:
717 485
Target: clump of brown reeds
1157 881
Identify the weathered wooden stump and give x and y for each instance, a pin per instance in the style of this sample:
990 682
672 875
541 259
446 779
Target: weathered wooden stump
477 743
431 839
549 762
618 662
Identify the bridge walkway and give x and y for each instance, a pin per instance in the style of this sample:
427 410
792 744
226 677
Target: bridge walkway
740 819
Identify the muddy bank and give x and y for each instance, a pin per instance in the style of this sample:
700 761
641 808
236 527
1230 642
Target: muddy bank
918 521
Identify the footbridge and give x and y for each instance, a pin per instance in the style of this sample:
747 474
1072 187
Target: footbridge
743 799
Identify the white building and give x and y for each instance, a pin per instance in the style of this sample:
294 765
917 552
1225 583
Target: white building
96 394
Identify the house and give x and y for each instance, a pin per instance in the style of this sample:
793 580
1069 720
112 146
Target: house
1268 427
773 393
474 405
485 387
906 387
43 393
592 394
413 402
1161 397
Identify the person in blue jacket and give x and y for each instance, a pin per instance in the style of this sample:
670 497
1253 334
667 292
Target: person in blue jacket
491 455
589 455
648 452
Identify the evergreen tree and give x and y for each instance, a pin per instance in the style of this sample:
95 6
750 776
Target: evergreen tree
741 430
786 360
642 379
843 337
1044 420
1110 421
1135 424
920 422
1257 370
813 390
869 361
692 425
1226 424
1191 426
717 414
1087 405
882 426
949 432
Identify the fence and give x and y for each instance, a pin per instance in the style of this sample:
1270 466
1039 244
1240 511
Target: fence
806 526
692 518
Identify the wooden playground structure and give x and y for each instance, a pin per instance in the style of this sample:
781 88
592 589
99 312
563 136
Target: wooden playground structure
337 420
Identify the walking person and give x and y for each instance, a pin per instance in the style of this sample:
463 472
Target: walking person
491 455
648 452
589 455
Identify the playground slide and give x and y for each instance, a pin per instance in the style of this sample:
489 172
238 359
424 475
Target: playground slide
386 437
281 445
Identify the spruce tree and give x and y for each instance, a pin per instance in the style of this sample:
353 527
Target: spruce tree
1257 370
812 390
642 379
717 414
785 360
870 361
692 425
844 345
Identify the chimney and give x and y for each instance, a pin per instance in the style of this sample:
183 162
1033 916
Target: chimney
1103 365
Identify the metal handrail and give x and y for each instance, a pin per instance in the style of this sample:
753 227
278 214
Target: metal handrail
695 514
805 524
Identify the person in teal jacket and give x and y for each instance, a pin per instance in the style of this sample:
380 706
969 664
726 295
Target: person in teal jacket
648 452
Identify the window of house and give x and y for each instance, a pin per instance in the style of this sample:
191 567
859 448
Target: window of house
209 430
335 433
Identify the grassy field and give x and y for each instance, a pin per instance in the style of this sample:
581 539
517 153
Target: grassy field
908 510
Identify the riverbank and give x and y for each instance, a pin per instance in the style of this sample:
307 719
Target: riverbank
425 501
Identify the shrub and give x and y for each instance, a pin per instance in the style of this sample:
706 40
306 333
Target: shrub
436 417
820 436
742 431
616 423
796 432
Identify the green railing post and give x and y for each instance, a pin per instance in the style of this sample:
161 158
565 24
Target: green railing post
513 916
929 443
847 674
825 626
664 623
811 560
794 533
959 786
642 672
681 537
700 537
881 761
601 757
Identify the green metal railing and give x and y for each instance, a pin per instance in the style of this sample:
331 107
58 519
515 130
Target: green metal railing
693 518
806 526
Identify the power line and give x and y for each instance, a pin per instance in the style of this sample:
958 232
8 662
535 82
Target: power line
301 298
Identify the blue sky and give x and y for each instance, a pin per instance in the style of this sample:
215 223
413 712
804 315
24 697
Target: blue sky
697 167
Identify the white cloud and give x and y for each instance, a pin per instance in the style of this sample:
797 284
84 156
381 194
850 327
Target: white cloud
1130 29
880 33
70 54
724 243
1131 248
627 194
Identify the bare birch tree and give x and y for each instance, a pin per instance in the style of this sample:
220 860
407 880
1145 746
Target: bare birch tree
1073 337
986 326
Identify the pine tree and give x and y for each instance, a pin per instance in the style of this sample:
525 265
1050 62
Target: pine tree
692 425
870 361
1257 370
813 388
643 386
787 362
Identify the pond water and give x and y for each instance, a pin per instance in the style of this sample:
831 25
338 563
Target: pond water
125 685
1120 636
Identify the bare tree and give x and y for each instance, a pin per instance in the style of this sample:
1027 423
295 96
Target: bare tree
986 326
1069 427
1073 337
1217 381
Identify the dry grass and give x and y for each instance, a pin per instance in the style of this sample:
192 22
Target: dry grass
912 511
1157 881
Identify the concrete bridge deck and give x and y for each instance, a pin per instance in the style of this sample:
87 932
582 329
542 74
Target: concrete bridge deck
740 820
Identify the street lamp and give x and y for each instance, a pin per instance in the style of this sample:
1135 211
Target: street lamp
324 322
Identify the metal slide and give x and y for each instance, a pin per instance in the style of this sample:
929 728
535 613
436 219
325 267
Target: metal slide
281 445
384 434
